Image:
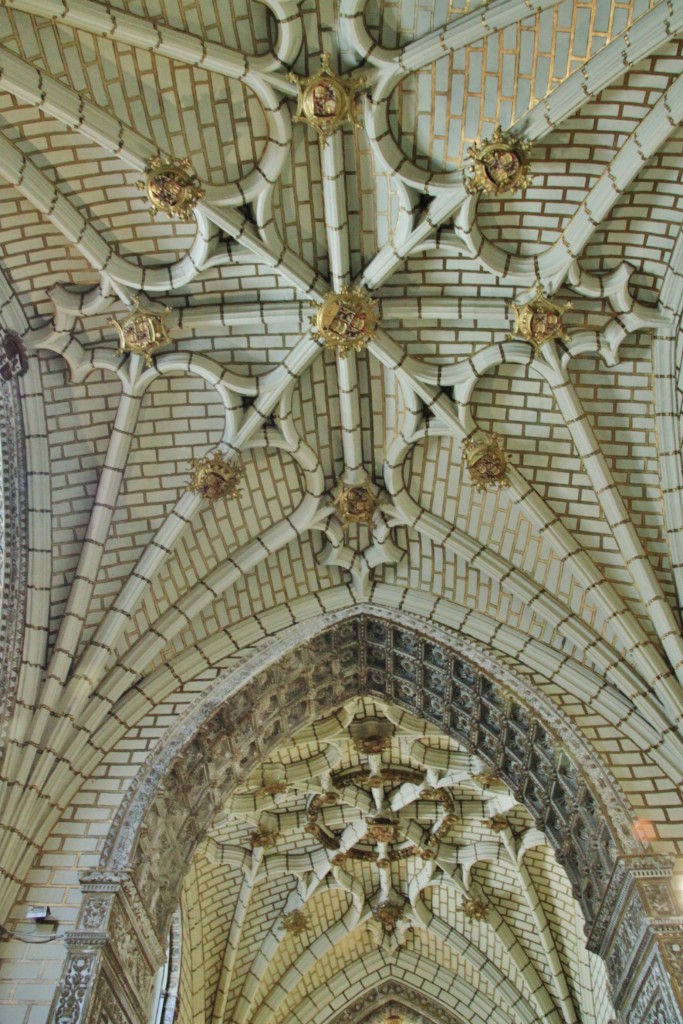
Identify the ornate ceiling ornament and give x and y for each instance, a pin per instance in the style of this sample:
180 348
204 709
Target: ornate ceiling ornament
539 321
382 830
487 778
273 789
296 922
388 913
326 101
499 164
476 909
263 837
371 735
214 477
497 823
171 186
356 503
329 842
346 320
142 332
486 461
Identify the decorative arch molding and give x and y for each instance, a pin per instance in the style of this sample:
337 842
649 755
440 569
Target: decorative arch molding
384 993
624 891
392 998
13 548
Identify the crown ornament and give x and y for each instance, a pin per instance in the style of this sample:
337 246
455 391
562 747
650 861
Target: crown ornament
325 100
142 332
214 477
539 321
171 186
498 165
263 838
346 320
486 461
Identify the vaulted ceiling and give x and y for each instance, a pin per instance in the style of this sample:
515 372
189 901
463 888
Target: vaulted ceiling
369 849
141 592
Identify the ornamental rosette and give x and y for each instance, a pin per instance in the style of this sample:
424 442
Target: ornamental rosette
215 477
486 461
142 332
356 503
476 909
296 922
325 100
346 320
539 321
498 165
171 186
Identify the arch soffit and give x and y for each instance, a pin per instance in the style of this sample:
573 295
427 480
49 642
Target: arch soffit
317 665
388 995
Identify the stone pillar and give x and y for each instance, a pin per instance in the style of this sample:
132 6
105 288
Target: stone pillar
112 956
638 931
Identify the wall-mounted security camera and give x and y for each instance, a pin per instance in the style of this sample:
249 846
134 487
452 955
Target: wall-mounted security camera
38 914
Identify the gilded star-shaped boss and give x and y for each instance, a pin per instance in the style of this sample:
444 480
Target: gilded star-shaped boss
326 101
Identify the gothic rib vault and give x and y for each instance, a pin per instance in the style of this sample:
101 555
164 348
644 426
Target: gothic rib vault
127 596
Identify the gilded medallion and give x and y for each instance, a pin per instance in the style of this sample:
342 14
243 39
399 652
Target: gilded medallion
172 187
486 461
539 321
346 320
356 503
499 164
215 477
296 922
326 101
389 913
476 909
142 332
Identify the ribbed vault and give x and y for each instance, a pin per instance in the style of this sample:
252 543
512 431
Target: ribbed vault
131 597
330 842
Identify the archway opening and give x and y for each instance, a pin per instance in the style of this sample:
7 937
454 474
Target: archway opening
372 847
217 794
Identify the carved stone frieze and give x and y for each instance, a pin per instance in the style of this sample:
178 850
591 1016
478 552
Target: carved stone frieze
94 913
650 997
107 1009
13 548
75 988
